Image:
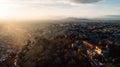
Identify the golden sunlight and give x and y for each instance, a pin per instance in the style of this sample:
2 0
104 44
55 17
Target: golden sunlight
16 34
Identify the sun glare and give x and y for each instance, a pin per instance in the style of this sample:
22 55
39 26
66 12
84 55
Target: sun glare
4 10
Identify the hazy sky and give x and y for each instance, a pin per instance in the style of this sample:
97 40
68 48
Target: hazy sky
41 9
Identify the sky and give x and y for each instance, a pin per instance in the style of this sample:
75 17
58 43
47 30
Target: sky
54 9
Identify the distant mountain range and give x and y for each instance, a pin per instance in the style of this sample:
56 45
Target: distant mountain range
108 18
111 17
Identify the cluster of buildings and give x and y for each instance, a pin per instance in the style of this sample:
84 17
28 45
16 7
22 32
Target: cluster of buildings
72 44
100 42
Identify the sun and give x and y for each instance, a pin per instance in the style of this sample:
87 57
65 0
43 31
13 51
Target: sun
5 9
3 13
